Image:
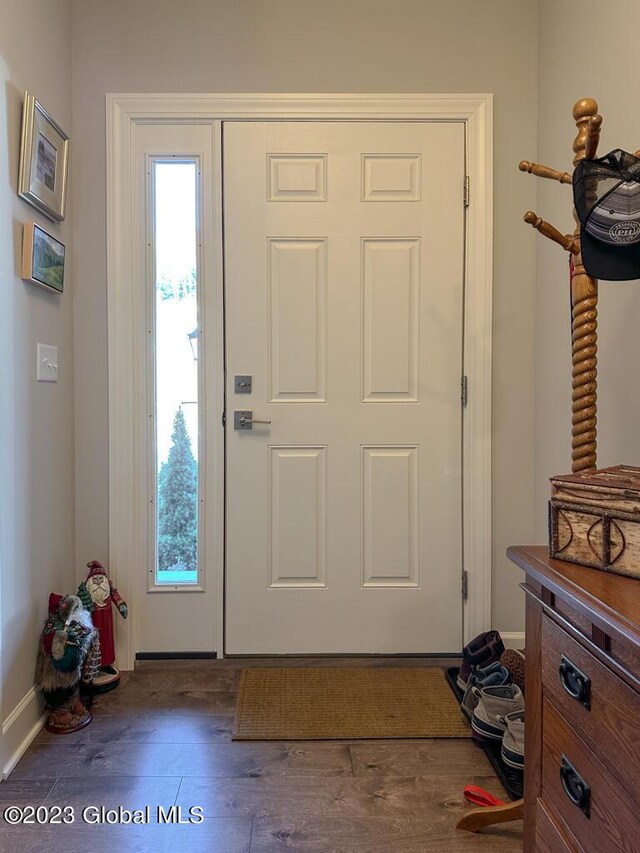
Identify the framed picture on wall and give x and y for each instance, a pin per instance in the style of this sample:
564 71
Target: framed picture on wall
42 258
44 160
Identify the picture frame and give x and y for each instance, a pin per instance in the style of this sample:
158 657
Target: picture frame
43 258
44 160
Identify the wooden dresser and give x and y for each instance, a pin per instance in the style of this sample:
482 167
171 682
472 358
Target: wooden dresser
582 721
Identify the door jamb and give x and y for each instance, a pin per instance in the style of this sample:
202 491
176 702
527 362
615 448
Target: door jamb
476 111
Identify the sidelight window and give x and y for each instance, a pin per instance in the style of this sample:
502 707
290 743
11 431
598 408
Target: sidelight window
176 405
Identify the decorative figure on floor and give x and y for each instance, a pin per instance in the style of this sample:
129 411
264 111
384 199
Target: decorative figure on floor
98 594
69 650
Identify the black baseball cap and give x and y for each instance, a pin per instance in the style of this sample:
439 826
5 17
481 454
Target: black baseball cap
606 194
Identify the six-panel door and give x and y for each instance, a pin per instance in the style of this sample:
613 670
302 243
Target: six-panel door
344 249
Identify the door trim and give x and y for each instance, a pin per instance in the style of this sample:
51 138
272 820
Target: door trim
124 111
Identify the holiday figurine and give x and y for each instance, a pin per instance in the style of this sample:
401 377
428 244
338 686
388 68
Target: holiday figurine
69 650
98 594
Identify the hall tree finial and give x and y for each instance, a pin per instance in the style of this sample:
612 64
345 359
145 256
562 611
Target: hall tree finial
588 122
584 294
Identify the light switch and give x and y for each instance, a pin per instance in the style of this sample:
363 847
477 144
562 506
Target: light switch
47 369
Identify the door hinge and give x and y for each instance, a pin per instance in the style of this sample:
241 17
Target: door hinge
224 419
465 585
464 390
466 191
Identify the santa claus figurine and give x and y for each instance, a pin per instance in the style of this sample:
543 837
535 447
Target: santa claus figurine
69 650
97 593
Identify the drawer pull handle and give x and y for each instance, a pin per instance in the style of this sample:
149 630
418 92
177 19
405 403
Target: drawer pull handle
575 682
575 787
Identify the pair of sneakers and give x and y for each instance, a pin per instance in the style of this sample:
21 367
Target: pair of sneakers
499 716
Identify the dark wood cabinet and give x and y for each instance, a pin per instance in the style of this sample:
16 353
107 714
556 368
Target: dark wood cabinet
582 723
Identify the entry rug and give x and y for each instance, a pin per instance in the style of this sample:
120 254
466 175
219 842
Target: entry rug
346 704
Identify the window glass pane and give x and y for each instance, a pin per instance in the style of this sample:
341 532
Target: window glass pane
176 372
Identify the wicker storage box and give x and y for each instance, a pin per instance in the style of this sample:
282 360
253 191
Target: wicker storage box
594 519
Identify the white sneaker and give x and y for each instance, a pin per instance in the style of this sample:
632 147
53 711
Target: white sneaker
512 750
494 703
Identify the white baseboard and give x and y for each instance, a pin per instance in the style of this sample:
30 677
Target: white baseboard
20 728
513 639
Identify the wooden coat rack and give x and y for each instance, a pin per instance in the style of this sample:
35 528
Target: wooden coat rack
584 337
584 295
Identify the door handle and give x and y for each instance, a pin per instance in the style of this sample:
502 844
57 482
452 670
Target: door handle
243 419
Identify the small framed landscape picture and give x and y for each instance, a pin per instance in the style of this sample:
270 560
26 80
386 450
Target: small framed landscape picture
42 258
44 160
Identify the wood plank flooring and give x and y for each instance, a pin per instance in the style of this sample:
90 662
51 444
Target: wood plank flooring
163 738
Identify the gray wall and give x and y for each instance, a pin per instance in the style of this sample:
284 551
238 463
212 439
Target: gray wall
297 45
36 419
606 36
283 46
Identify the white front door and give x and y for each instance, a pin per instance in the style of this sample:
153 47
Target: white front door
344 248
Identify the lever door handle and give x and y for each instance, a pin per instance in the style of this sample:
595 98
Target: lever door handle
243 419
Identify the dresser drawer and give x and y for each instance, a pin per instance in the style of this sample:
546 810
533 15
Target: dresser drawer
548 836
599 813
603 709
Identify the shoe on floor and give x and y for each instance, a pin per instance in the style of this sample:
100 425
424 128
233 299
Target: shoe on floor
494 703
492 676
513 659
479 673
512 750
481 651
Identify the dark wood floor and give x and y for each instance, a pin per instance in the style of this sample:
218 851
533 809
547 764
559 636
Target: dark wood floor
163 738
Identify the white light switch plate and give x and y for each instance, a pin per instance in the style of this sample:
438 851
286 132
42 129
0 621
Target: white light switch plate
47 370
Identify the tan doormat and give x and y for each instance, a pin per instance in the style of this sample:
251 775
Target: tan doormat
346 704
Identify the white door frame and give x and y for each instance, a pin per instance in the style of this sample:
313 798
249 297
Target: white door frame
127 513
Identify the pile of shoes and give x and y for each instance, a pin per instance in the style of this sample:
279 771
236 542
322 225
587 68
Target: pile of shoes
492 679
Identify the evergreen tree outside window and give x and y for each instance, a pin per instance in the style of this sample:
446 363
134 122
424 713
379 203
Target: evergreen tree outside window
178 504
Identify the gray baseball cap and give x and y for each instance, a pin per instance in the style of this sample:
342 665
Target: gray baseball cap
606 194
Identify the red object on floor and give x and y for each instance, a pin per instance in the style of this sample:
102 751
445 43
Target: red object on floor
480 797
